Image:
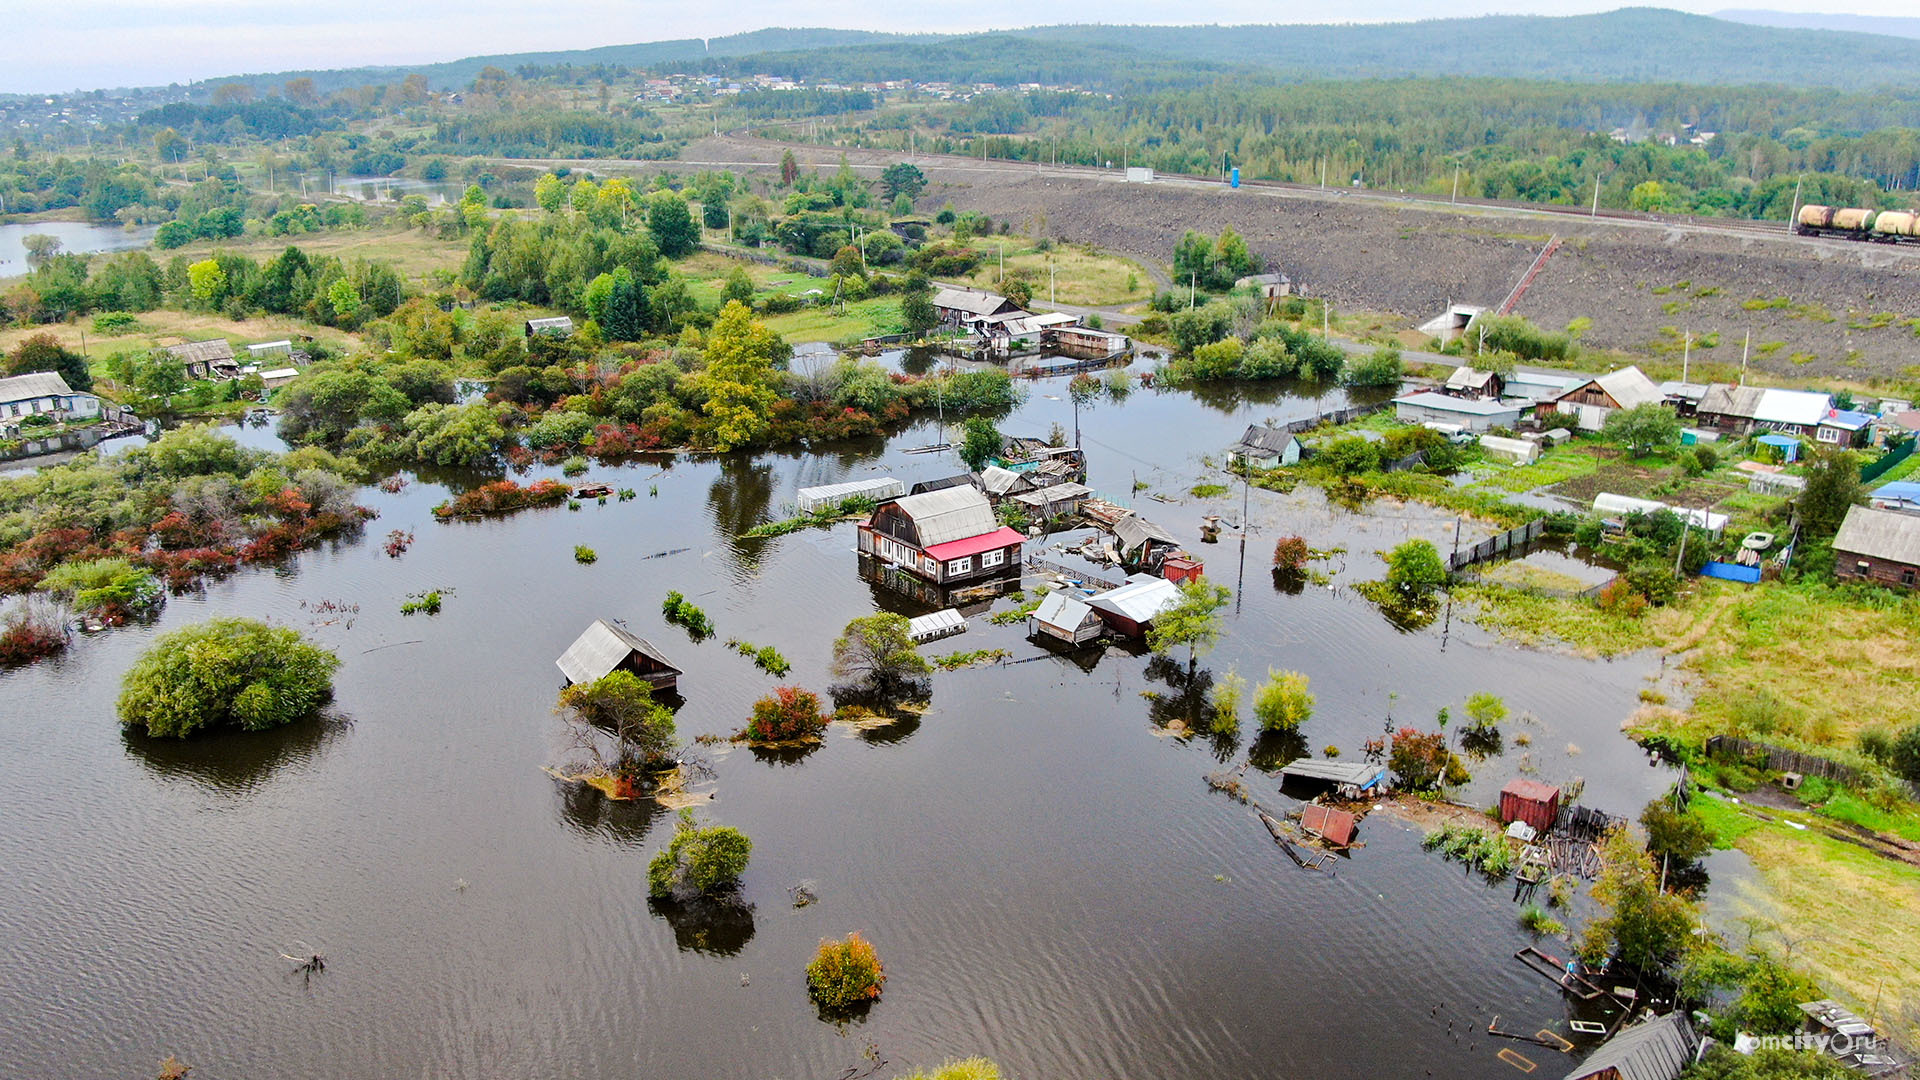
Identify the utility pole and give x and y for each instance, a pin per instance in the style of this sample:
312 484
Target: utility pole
1686 353
1455 197
1793 215
1595 212
1743 357
1003 261
1052 298
1193 288
1679 559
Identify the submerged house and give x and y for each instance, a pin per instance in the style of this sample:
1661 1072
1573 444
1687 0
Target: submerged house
945 537
1131 608
1264 447
966 309
604 648
1657 1049
1141 543
1066 619
1057 501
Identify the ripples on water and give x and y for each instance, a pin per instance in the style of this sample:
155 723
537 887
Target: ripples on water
1047 881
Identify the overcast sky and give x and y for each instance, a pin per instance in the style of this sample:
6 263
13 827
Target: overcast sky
55 45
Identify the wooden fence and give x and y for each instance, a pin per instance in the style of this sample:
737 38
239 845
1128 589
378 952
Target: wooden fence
1780 759
1495 546
1070 573
1338 416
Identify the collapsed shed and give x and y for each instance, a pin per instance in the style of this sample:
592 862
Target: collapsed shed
604 648
1657 1049
1348 777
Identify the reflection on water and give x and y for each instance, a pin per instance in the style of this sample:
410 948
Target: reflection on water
738 499
76 238
586 809
238 761
712 926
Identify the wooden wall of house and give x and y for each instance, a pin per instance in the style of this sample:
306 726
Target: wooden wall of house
1846 565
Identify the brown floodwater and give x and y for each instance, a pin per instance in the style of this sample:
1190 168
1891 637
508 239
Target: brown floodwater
1047 877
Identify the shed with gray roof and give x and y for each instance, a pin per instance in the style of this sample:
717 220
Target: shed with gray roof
1878 546
604 648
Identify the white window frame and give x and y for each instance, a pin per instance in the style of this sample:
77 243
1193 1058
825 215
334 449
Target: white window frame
961 565
1827 434
993 558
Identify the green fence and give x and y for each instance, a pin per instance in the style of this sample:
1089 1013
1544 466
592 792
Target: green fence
1874 470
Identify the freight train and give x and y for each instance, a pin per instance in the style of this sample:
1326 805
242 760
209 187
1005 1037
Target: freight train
1887 226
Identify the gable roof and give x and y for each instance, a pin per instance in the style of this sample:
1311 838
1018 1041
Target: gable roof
1657 1049
603 647
1630 387
949 514
1466 378
998 481
1063 611
973 303
202 352
1725 399
1140 600
1262 438
1880 534
921 487
1134 531
974 545
34 384
1846 419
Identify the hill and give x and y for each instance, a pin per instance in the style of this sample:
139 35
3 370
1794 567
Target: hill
1890 25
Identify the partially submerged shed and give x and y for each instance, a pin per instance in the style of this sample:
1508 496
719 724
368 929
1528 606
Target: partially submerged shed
943 623
1657 1049
1141 542
1333 825
604 648
1064 618
1530 801
1360 776
812 500
1131 608
1059 500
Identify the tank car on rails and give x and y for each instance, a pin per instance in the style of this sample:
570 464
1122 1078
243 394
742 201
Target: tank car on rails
1856 223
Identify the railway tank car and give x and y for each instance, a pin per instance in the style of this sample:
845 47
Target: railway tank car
1857 223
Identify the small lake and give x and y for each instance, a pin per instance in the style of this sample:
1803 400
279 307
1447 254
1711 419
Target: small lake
1046 875
76 238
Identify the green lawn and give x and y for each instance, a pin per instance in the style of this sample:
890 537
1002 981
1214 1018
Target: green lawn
1556 465
866 318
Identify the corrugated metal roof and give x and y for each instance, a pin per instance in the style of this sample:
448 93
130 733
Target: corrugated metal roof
1063 612
810 499
202 352
34 384
923 486
1336 825
1428 399
999 481
1792 407
1531 790
973 303
1466 378
1656 1049
1880 534
1630 387
974 545
949 514
1141 599
940 624
601 648
1054 494
1358 773
1134 531
1271 440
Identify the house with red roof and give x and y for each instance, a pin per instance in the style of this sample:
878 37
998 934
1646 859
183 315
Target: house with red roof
946 538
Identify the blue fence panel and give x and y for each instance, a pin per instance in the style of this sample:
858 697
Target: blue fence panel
1727 571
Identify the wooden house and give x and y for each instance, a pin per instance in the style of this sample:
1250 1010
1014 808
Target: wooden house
970 310
1264 447
1591 402
947 537
1055 501
1530 801
1266 286
1659 1048
1844 428
1131 608
1141 543
604 648
210 359
1066 619
1745 409
1878 546
44 393
921 487
1469 382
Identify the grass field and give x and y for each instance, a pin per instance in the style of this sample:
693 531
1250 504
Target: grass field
865 318
1817 888
412 252
164 327
1556 465
1080 277
1535 619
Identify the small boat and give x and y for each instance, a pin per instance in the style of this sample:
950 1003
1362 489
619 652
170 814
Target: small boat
593 491
931 448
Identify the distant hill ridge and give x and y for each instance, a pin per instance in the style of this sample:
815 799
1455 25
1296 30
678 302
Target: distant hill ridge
1627 45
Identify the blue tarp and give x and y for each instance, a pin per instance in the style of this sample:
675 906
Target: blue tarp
1727 571
1789 445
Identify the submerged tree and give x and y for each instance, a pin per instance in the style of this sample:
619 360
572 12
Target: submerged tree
1644 928
698 861
1414 569
1193 623
622 703
874 658
1283 702
226 672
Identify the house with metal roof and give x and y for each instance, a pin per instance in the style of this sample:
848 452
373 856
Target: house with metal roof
1473 383
1591 402
972 310
604 648
1463 414
1743 409
1660 1048
921 487
1131 608
1844 428
1053 501
946 537
1065 619
43 393
1264 447
1902 495
1142 543
1001 483
1878 546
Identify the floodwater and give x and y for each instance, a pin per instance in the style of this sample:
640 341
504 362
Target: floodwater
397 187
76 238
1047 877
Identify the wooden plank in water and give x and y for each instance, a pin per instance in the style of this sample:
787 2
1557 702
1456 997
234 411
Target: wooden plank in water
1516 1059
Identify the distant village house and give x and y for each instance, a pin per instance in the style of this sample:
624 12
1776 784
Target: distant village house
1878 546
1264 447
43 393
